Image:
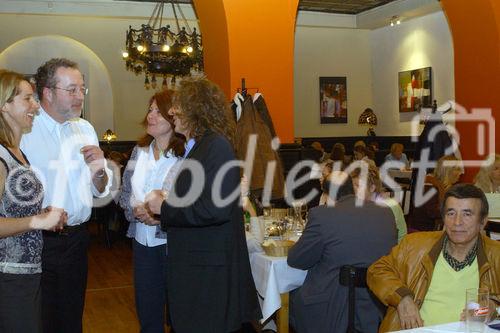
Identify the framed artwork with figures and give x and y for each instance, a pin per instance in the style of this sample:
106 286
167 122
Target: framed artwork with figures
333 100
415 89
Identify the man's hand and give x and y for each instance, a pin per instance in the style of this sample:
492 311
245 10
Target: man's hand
94 157
154 200
409 314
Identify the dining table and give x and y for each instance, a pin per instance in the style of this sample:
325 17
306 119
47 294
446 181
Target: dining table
458 326
274 279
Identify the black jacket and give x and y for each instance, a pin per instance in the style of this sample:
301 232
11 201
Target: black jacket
210 285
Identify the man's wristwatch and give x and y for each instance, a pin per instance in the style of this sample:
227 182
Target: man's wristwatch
100 174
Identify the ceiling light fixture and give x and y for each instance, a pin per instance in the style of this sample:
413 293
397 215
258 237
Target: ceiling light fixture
159 51
395 20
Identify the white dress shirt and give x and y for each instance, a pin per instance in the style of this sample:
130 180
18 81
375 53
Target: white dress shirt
149 174
53 150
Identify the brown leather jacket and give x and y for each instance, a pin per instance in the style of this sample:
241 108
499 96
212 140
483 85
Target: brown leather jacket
407 270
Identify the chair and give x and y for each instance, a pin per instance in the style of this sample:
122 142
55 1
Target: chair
352 277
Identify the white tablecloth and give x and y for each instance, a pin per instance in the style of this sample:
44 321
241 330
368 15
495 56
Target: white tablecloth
445 328
273 277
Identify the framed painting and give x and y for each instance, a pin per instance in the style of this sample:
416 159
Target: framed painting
333 100
415 89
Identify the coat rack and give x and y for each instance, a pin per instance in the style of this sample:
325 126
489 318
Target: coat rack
243 90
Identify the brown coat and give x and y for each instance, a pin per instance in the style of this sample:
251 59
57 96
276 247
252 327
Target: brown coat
407 270
251 122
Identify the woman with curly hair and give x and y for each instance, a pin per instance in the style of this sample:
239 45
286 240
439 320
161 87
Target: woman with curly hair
488 177
211 288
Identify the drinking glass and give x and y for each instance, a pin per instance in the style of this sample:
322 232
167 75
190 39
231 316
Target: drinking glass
268 220
476 306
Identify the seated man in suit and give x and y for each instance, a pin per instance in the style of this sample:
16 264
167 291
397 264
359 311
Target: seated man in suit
339 233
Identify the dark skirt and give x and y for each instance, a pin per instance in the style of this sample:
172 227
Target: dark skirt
20 303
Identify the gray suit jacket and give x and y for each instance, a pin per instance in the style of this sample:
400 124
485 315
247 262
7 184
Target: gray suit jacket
337 236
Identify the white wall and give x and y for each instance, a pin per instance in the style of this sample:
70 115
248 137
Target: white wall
103 37
420 42
371 60
326 51
325 45
24 56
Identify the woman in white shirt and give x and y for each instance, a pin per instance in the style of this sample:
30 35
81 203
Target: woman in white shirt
152 158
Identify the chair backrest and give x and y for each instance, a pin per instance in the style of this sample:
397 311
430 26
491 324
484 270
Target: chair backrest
352 277
355 276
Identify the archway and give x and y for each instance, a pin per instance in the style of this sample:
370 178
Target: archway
26 55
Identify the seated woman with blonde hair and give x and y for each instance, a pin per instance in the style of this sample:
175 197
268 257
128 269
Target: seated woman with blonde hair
488 177
373 192
397 155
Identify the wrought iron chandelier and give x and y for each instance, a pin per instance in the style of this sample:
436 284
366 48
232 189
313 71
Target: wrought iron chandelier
157 51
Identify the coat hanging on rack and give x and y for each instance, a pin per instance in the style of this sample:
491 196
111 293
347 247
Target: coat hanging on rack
250 121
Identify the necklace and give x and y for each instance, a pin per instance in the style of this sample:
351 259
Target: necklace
158 149
454 263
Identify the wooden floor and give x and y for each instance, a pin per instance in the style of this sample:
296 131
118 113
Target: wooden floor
109 304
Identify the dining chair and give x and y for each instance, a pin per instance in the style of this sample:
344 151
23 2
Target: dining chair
352 278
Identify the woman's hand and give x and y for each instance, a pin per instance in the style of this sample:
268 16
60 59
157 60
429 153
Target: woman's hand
142 214
51 218
154 200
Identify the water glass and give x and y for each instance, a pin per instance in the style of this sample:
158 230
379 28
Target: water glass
267 221
476 309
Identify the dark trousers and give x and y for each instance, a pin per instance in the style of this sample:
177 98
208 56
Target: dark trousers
20 303
150 282
64 281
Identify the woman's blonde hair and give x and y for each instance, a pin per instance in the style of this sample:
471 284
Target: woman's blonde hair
372 179
445 166
204 108
9 88
396 146
482 179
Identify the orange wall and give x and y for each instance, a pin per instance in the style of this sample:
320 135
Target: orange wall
252 40
475 26
213 28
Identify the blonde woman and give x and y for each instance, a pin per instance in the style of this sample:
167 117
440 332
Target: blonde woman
488 177
427 217
373 192
397 155
21 215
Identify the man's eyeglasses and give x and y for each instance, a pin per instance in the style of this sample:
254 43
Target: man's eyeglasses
74 91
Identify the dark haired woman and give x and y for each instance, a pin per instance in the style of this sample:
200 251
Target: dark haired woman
152 158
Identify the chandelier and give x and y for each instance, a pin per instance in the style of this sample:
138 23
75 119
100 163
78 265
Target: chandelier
157 51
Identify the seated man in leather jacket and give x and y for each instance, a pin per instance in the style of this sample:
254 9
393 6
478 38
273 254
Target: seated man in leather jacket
423 280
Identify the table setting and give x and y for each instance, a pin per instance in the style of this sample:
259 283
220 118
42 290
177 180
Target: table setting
281 228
